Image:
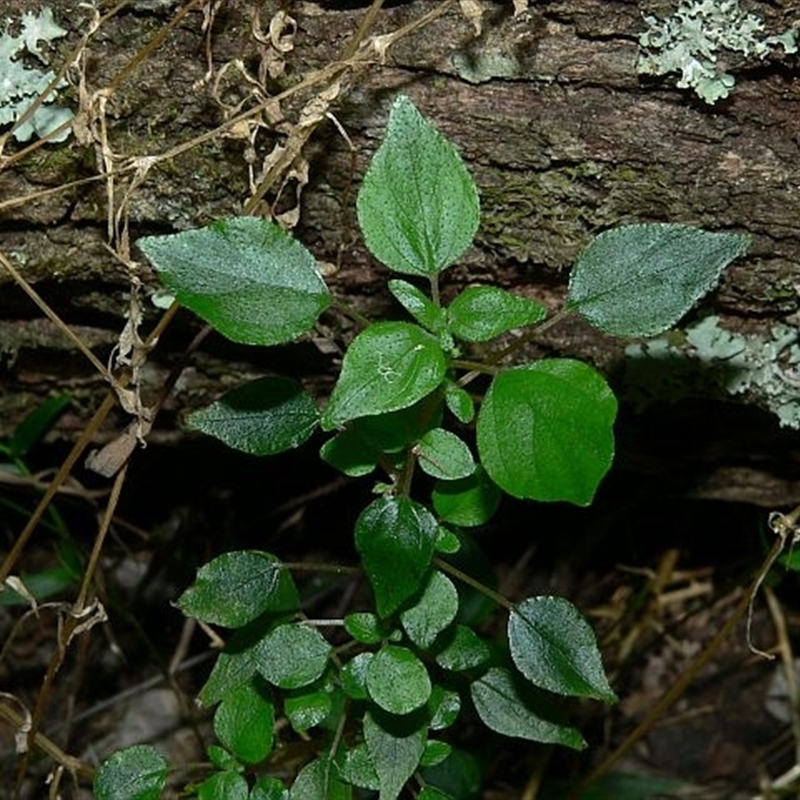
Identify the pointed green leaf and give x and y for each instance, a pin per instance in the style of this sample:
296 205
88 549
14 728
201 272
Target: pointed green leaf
244 722
418 207
237 587
222 759
350 453
433 612
135 773
480 313
554 648
263 417
395 754
639 280
468 502
545 430
396 539
443 455
419 305
293 655
234 666
245 276
508 706
388 366
319 780
397 680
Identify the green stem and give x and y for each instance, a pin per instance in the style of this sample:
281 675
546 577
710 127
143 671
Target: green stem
434 281
350 312
477 585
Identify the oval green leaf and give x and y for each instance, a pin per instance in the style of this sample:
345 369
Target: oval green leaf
237 587
245 276
418 206
639 280
396 538
441 454
263 417
244 723
480 313
293 655
307 710
508 706
419 305
554 648
135 773
395 754
397 680
545 430
388 366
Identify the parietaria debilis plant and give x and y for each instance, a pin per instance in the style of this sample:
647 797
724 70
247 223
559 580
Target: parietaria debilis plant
377 707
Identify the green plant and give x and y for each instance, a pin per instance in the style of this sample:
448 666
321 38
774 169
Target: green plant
377 702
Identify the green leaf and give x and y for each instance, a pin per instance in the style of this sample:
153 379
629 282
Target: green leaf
135 773
244 723
433 612
443 455
365 627
354 676
509 706
293 655
458 776
397 680
480 313
245 276
468 502
554 648
268 788
237 587
358 770
388 366
235 665
350 453
464 649
459 402
36 424
639 280
419 305
545 430
224 786
431 793
222 759
395 537
444 707
318 780
418 207
263 417
447 541
435 753
395 754
307 710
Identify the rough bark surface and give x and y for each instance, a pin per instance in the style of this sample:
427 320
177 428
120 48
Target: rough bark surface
564 139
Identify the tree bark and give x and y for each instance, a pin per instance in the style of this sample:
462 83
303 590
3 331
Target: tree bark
562 135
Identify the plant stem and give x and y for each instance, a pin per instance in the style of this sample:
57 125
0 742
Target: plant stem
477 585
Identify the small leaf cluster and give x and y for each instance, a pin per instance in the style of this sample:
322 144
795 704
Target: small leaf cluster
379 702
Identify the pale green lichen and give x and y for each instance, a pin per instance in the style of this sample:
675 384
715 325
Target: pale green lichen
21 85
764 368
692 39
